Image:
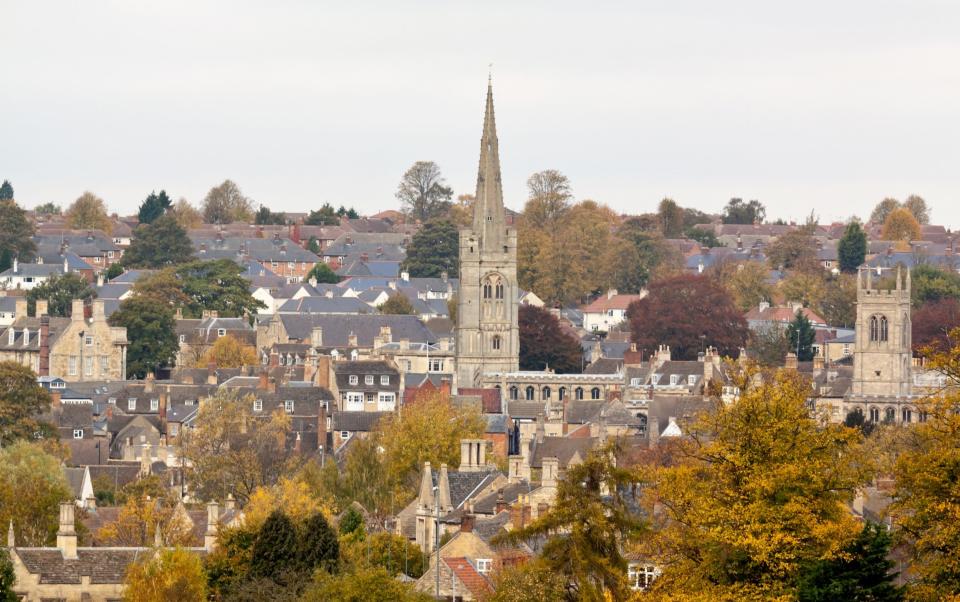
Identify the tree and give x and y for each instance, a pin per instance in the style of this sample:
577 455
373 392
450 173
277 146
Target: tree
638 255
228 565
351 521
6 191
801 336
163 286
533 581
325 216
738 212
433 250
16 232
60 290
932 323
863 572
364 585
231 451
671 218
164 575
140 517
317 546
769 346
883 210
588 527
422 191
225 204
394 553
925 499
153 207
663 317
461 212
294 495
747 282
32 485
930 283
544 343
215 285
754 493
228 352
806 288
275 548
397 304
900 225
115 269
428 430
322 273
158 244
265 217
48 209
8 578
22 401
794 250
151 332
186 214
918 208
363 479
88 212
549 198
706 238
838 304
852 248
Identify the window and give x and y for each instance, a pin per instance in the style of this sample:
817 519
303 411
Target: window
609 313
641 576
132 403
78 433
183 338
436 365
692 380
384 379
874 415
386 402
344 434
484 565
174 429
221 332
499 289
112 400
655 379
878 328
578 393
674 380
154 405
907 415
497 342
368 379
257 405
96 259
889 415
104 365
288 406
72 365
545 394
109 254
354 402
529 393
595 393
292 265
514 393
88 366
88 340
562 393
487 290
354 379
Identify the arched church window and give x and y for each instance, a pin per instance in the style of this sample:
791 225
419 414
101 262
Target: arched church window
546 393
874 328
529 393
578 393
889 415
497 342
883 328
514 393
874 415
907 415
562 393
499 290
487 290
595 393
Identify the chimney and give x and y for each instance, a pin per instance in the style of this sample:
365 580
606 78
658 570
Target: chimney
66 266
425 499
653 425
99 315
632 357
213 517
100 279
76 310
352 340
322 378
264 383
818 365
540 428
145 459
274 360
550 472
20 307
611 293
11 537
67 535
501 503
44 367
231 504
42 308
444 490
16 265
791 362
466 523
211 372
514 469
148 383
405 276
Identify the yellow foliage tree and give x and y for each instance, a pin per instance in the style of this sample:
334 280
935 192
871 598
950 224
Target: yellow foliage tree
900 225
166 575
747 282
293 495
137 522
228 352
807 288
89 212
187 215
758 490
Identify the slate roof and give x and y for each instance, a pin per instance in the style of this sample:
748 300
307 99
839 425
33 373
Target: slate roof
324 305
604 365
377 368
101 565
564 449
118 473
239 249
362 422
74 478
337 328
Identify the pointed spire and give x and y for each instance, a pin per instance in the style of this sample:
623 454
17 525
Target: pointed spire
489 222
11 538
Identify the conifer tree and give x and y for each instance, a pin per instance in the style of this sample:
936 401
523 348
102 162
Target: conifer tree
800 335
6 191
275 548
852 248
863 572
318 546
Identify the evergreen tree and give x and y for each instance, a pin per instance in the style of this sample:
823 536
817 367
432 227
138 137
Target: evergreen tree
16 233
352 521
153 207
115 269
433 250
861 573
800 336
397 304
325 216
6 191
852 248
275 548
318 546
7 575
322 273
151 332
158 245
265 217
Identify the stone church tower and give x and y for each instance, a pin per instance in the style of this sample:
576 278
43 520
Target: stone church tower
882 358
487 335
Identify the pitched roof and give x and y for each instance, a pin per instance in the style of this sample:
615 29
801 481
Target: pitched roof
604 303
468 575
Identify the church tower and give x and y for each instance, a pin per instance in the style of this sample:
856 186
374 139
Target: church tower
488 338
882 358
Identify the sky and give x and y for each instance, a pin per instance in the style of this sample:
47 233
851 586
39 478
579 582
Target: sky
814 106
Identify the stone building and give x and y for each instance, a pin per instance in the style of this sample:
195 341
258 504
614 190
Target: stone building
487 334
75 349
883 351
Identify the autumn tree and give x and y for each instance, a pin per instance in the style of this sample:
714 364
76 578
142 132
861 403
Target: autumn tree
900 225
769 346
532 581
930 283
918 208
638 254
549 196
231 451
32 485
16 232
795 250
739 212
838 303
363 585
544 343
48 208
22 402
433 250
228 352
151 332
755 492
393 553
461 212
225 204
158 244
801 336
297 498
687 312
153 207
397 304
139 518
806 288
8 578
216 285
423 193
852 248
166 574
932 323
671 218
926 503
59 291
186 214
747 282
322 273
363 479
88 212
587 528
883 210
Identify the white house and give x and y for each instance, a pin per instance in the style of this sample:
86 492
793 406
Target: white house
608 311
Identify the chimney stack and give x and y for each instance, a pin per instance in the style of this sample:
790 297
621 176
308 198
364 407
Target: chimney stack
213 517
67 535
76 310
42 309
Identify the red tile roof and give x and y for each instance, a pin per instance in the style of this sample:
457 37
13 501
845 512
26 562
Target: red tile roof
490 398
603 303
782 314
478 585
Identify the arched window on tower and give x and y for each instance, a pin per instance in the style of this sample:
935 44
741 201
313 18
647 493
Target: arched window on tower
499 289
595 393
514 393
487 290
545 394
874 415
883 328
562 393
529 393
578 393
879 329
497 342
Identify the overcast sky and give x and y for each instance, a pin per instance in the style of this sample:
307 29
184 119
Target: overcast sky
828 106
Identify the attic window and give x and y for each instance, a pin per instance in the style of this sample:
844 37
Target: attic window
368 379
692 379
257 405
78 433
132 403
154 405
384 379
674 379
288 406
484 565
221 332
353 379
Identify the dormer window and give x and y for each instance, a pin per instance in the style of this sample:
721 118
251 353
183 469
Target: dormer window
692 380
288 406
354 379
221 332
257 405
154 405
78 433
132 403
655 379
636 382
384 380
674 379
368 379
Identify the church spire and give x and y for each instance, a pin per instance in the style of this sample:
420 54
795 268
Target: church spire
488 216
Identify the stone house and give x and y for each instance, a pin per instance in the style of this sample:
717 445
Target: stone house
366 386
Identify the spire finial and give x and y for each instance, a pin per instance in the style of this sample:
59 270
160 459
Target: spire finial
489 74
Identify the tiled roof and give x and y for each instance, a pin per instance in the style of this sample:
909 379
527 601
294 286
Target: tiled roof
604 303
489 398
337 328
782 314
467 574
362 422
